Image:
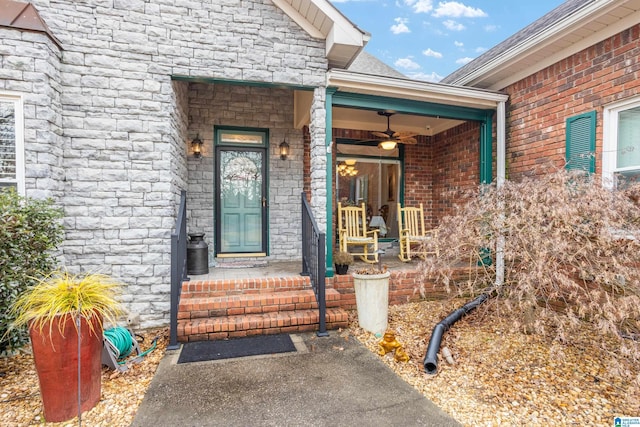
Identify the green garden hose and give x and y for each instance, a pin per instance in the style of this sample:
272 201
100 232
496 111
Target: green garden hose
121 342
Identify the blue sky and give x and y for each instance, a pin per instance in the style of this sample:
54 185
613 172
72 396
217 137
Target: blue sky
429 39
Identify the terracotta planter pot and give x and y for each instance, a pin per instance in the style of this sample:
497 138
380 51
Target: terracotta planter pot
55 353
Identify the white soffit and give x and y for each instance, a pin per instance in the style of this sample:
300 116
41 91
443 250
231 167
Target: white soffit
320 19
584 28
348 81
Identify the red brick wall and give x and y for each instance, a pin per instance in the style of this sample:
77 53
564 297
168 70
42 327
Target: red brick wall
589 80
456 166
404 286
418 176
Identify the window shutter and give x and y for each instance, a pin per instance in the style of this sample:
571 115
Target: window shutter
581 142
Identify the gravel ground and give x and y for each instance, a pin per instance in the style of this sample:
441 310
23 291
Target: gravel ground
504 378
20 403
498 378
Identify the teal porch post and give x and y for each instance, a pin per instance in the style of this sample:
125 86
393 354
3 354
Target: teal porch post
329 138
486 153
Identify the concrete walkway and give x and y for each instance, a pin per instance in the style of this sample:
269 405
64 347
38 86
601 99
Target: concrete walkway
328 382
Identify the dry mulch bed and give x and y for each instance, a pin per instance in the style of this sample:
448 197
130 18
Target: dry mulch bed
20 403
499 377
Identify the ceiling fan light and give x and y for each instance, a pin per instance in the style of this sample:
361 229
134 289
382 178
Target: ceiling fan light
387 145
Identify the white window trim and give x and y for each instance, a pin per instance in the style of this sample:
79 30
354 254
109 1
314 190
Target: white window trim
610 139
17 99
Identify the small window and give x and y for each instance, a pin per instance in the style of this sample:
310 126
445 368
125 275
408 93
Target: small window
621 143
241 137
11 144
581 142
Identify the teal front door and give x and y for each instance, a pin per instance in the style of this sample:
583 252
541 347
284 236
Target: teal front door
241 201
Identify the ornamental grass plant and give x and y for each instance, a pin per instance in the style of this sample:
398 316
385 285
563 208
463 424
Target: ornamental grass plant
56 307
65 294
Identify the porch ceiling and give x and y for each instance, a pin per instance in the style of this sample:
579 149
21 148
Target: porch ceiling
369 120
443 101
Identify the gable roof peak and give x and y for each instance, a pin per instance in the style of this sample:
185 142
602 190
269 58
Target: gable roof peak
322 20
569 28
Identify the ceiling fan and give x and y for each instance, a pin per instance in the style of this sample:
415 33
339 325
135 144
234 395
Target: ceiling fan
391 138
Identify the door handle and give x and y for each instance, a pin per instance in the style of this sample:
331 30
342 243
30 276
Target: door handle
264 202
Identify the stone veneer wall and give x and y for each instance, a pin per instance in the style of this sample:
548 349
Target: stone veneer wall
30 66
123 121
318 163
255 107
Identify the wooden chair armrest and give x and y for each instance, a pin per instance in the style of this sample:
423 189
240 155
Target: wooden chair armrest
431 233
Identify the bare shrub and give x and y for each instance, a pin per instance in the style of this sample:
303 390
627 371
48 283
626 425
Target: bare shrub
571 255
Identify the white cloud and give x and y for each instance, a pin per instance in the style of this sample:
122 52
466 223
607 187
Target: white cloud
481 49
453 9
453 25
432 53
427 77
407 63
458 44
400 27
464 60
420 6
491 28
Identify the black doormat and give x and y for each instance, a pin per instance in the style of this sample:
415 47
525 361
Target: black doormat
238 347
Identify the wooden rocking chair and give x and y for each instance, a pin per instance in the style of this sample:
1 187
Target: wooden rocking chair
414 239
352 229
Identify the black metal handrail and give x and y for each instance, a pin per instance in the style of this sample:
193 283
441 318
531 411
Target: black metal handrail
313 262
178 268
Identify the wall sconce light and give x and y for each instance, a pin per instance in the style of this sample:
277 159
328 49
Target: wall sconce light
387 145
196 144
284 150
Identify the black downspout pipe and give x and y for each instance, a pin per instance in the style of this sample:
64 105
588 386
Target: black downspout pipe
431 358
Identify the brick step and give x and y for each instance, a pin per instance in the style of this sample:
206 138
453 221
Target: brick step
238 304
212 288
215 328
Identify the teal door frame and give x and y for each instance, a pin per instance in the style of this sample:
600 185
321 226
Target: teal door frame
262 149
401 106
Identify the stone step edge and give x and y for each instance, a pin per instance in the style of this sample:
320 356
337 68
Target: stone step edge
223 286
231 305
258 324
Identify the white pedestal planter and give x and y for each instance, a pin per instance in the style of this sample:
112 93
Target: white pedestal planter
372 301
